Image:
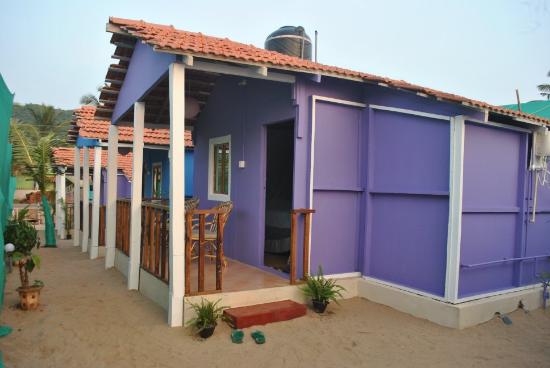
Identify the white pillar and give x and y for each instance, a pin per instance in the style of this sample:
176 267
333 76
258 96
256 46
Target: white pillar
94 246
85 199
57 204
135 209
62 199
76 198
177 194
112 183
456 170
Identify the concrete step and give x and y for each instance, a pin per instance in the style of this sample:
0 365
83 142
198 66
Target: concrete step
261 314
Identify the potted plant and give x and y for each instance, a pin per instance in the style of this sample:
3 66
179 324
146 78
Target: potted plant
207 315
25 238
321 291
67 224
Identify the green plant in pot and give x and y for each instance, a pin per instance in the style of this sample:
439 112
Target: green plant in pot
207 315
25 238
322 291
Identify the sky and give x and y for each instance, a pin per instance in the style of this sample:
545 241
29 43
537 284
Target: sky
55 51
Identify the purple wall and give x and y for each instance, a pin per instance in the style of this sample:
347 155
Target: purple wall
146 67
124 187
497 195
241 111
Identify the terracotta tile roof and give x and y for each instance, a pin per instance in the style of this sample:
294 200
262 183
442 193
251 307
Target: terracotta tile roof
167 38
88 127
64 156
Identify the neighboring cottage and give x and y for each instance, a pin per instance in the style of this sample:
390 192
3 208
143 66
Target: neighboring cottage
423 200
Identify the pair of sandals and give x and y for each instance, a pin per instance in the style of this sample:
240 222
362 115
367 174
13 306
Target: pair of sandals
238 335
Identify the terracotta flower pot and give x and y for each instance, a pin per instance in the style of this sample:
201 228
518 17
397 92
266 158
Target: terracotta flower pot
29 297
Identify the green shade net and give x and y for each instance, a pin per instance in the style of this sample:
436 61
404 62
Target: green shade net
50 228
7 184
538 107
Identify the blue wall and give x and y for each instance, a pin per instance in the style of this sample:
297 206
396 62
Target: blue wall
151 157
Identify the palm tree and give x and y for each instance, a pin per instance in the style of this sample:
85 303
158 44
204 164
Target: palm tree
544 89
32 151
89 99
47 121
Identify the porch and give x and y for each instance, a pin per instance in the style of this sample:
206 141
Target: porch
203 275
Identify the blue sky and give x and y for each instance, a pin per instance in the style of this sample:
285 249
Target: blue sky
54 51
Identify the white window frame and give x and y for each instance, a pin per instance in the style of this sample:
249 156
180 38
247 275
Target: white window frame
211 195
153 166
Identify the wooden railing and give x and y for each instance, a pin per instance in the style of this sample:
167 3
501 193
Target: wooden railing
200 241
154 239
293 238
123 225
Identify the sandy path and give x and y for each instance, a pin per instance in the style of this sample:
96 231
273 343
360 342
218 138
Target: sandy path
89 319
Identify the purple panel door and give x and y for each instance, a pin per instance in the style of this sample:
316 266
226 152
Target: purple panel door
337 188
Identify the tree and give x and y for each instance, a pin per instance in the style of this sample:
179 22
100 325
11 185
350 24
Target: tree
33 152
544 89
89 99
47 120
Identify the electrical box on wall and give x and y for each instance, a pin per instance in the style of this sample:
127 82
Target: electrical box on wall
242 164
542 142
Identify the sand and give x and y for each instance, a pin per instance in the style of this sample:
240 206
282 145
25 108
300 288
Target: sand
89 319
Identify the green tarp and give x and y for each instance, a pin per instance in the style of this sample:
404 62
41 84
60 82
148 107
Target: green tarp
539 107
7 182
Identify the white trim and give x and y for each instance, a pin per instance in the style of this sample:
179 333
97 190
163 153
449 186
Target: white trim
404 288
243 72
85 199
211 195
456 169
76 198
314 99
159 147
410 112
135 204
176 256
112 189
498 125
62 214
495 293
346 275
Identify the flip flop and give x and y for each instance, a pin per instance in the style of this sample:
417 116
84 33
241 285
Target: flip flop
258 337
237 336
5 330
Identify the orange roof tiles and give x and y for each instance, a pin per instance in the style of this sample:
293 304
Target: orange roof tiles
99 129
64 156
167 38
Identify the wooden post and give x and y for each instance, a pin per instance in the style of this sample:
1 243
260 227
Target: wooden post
176 92
219 253
201 252
76 198
94 246
188 245
293 248
111 223
307 226
85 199
135 211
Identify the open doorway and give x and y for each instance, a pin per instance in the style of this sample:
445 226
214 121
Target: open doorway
278 194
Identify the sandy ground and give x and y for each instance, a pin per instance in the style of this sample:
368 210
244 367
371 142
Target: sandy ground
89 319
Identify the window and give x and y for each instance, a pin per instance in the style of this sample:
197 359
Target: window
156 191
219 177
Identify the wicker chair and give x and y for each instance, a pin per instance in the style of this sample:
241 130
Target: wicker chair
210 233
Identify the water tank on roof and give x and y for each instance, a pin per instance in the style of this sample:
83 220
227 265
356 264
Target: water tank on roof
290 40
